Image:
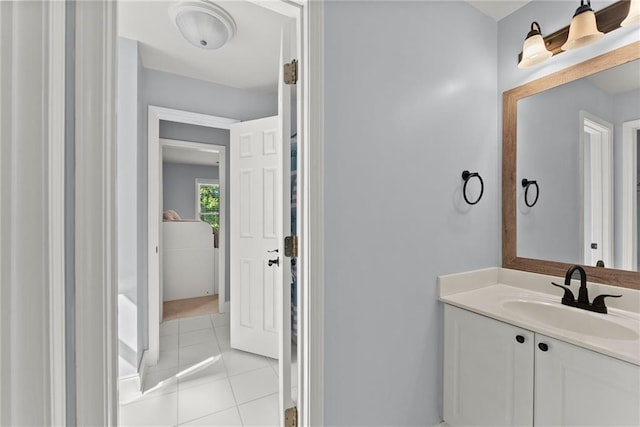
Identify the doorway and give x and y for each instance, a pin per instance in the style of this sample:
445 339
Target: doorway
596 145
154 197
630 257
96 65
193 187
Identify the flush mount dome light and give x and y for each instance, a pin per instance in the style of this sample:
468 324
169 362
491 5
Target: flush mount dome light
203 24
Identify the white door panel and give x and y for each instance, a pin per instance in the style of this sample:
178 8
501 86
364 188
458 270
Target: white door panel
256 235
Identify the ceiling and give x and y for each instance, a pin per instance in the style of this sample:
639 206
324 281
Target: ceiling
190 156
620 79
497 9
248 61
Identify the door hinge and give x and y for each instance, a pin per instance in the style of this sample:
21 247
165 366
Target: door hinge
291 417
291 72
291 246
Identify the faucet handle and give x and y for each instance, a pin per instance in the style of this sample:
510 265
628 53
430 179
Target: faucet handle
598 302
568 295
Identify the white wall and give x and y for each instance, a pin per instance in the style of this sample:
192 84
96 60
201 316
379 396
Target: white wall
179 186
129 334
410 96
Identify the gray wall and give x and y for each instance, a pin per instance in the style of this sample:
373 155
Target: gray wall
182 93
405 114
179 188
130 334
549 152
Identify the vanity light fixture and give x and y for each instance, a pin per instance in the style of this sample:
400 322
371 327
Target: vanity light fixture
633 17
607 19
534 50
583 30
203 24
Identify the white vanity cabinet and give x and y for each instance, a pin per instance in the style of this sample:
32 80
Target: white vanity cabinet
501 375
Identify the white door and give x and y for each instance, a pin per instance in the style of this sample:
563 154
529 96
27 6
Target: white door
597 151
257 261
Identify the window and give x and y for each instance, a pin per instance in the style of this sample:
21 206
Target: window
208 201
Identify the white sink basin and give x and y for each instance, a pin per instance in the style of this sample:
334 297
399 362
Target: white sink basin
574 320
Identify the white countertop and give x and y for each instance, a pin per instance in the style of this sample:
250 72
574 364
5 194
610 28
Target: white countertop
485 291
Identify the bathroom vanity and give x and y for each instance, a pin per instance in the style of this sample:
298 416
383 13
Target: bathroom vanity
514 356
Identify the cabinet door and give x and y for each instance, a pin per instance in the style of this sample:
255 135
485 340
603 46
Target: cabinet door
578 387
488 374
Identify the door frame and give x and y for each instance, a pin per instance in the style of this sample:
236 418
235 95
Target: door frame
95 36
630 195
154 211
594 125
35 140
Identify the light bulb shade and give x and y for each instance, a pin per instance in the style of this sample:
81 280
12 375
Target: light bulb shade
633 17
203 24
534 50
583 30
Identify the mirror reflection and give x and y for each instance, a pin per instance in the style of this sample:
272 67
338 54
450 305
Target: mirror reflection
579 142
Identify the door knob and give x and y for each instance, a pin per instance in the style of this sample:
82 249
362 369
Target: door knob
274 261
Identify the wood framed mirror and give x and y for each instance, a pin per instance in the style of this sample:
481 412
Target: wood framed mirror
545 260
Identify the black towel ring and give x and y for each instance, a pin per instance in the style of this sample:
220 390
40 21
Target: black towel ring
466 176
526 184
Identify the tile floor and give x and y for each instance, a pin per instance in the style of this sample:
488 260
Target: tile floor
200 381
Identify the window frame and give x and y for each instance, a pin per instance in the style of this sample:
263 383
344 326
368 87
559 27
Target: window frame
199 182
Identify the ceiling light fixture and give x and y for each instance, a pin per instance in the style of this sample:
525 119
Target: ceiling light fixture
583 30
203 24
633 17
534 50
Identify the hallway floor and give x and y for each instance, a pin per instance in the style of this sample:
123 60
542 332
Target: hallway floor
200 381
190 307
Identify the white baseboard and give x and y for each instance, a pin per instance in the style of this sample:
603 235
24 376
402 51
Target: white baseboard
224 307
129 388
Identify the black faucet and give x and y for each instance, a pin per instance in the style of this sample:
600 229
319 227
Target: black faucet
583 296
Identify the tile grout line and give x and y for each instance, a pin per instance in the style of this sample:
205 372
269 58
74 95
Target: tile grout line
235 399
